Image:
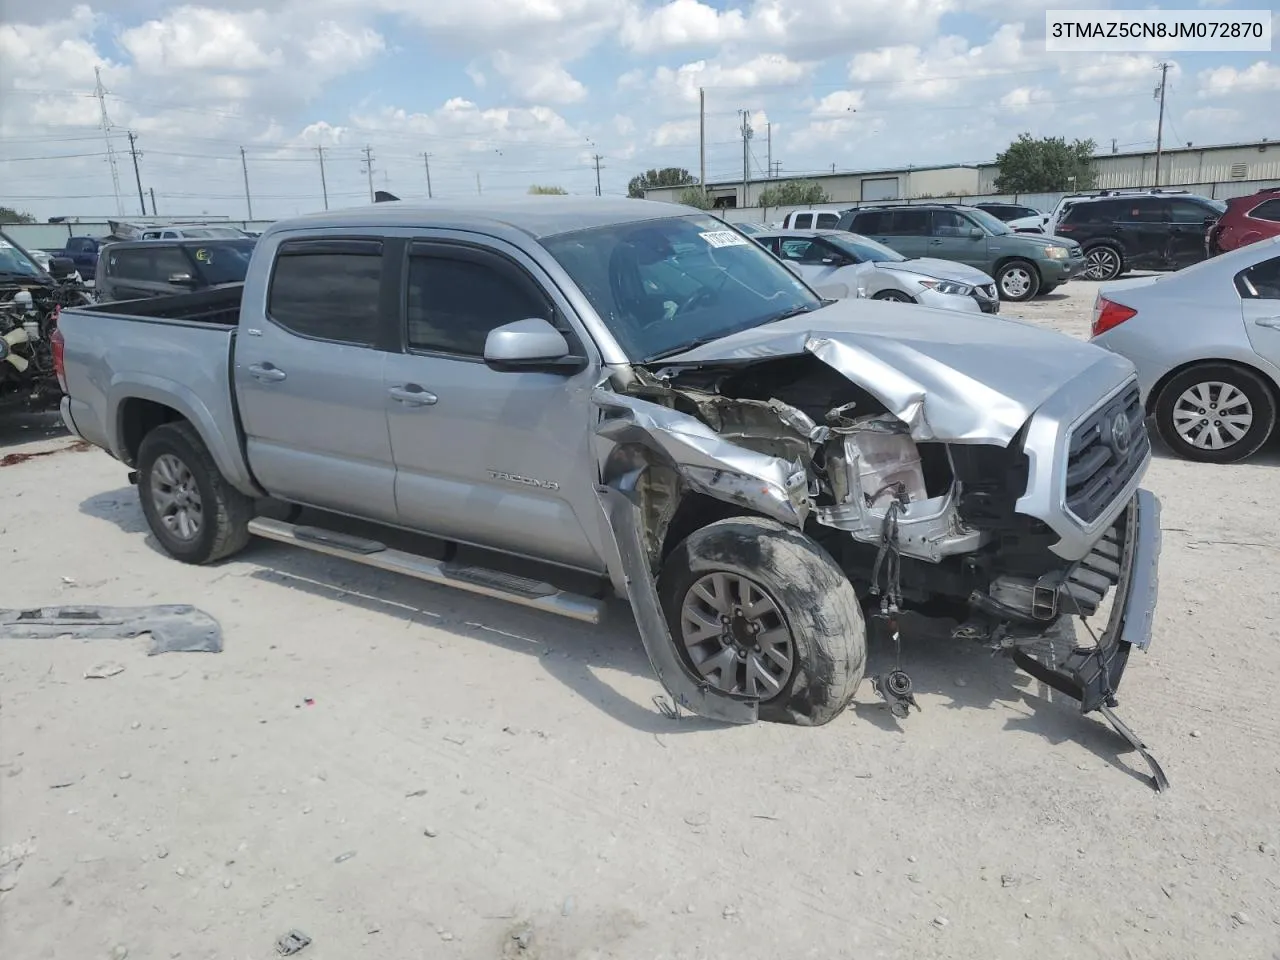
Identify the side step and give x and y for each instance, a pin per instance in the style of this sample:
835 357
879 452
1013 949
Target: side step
489 583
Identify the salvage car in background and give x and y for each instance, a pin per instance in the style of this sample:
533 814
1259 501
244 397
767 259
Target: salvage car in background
1024 265
632 390
1206 342
836 259
1246 220
132 269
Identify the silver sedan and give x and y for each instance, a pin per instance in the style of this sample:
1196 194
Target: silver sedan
1206 342
836 262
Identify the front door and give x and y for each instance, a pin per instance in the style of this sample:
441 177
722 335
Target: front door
309 377
144 270
1259 288
501 459
951 238
1188 223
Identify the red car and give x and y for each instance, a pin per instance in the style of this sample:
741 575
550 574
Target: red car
1247 220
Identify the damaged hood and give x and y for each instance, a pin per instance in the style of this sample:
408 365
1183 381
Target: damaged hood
949 376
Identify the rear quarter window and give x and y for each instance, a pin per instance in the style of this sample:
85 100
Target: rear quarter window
1267 210
328 290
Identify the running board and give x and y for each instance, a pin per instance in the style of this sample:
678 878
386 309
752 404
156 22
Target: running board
488 583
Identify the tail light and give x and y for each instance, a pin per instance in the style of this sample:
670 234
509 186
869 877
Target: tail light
1107 314
58 347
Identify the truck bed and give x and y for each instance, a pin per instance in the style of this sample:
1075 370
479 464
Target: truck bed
153 359
219 307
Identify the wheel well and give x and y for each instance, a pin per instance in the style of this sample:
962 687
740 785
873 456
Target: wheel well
1154 395
697 510
1103 242
137 418
1005 261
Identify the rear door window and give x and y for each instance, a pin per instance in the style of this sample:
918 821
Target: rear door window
150 264
328 290
909 223
827 220
803 221
871 223
1268 210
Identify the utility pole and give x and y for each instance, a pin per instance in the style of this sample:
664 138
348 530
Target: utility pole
368 168
1164 73
324 187
702 140
597 158
426 162
100 92
153 200
769 132
244 167
478 190
133 149
746 170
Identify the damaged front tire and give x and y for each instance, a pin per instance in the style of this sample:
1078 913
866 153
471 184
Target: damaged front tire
759 610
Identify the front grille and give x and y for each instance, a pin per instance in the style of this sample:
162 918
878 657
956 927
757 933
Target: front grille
1104 453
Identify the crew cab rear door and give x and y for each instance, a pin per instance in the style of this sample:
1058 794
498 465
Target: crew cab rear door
502 459
309 358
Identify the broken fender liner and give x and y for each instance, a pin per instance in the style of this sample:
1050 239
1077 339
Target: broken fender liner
174 628
623 519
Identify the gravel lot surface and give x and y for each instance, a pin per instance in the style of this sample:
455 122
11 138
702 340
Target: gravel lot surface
404 771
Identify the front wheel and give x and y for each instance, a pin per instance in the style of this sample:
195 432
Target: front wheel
893 296
197 516
1018 280
759 610
1215 413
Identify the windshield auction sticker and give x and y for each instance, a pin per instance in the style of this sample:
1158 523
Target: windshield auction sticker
1136 31
724 238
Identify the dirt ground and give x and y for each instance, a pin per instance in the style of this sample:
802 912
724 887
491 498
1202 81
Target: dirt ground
404 771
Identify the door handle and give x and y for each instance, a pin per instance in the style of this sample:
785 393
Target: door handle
413 395
936 242
1272 322
266 372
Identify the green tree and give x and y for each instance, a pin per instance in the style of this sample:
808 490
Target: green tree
666 177
540 190
792 193
1046 165
695 197
10 215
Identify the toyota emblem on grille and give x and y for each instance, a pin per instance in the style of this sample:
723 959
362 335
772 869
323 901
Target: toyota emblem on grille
1120 433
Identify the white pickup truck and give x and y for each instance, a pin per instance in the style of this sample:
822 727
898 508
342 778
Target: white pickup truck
635 391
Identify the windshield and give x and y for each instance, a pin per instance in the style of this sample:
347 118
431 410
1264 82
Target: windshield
15 262
993 225
225 261
665 285
863 249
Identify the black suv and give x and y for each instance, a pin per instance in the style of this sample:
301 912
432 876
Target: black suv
136 269
1138 232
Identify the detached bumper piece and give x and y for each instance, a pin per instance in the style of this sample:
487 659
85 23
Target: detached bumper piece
1092 675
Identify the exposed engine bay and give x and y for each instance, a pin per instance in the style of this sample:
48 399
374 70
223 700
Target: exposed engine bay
28 317
922 523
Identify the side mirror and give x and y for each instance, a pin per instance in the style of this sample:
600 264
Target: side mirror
61 267
181 279
975 233
532 344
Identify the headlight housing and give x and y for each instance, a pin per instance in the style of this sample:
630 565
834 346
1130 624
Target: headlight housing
953 287
1056 253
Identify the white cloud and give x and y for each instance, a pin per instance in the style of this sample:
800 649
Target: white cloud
765 70
680 23
909 72
198 38
1024 98
1261 77
538 80
839 104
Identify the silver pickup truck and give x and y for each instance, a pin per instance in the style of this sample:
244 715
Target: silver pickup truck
636 391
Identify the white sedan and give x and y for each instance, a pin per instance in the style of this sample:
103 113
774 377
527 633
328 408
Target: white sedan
850 265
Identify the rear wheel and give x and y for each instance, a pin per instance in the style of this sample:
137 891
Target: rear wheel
893 296
1018 280
1103 263
197 516
760 610
1215 413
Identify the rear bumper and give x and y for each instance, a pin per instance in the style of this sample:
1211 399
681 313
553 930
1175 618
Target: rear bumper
64 407
1092 674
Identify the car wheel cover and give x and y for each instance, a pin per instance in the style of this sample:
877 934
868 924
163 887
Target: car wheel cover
176 498
1212 415
735 636
1101 263
1015 281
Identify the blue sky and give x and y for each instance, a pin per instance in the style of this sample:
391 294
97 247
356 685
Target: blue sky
517 93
